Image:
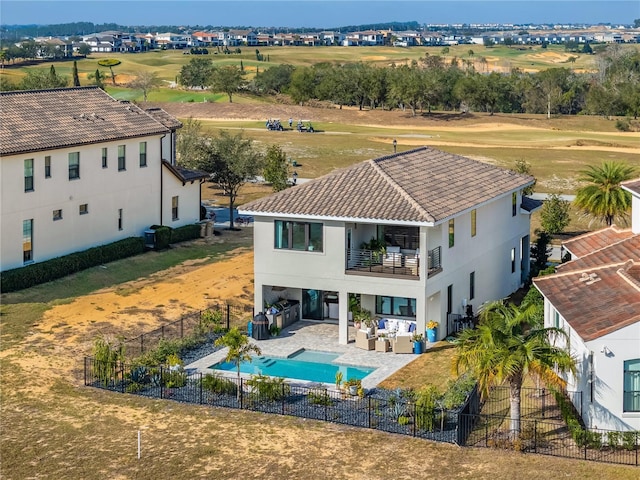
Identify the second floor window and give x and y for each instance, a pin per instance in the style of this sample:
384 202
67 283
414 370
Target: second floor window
143 154
514 204
291 235
74 165
28 175
47 167
104 157
473 222
472 285
122 161
452 236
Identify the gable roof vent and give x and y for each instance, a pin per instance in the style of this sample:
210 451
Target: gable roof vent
589 278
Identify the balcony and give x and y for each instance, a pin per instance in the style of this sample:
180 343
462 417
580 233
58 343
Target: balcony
390 264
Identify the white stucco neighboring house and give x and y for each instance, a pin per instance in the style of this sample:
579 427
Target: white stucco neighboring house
595 298
80 169
453 232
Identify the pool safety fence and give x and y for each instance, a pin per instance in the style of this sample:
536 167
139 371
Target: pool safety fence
551 437
226 315
388 412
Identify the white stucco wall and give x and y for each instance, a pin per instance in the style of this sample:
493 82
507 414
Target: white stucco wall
602 398
136 191
488 254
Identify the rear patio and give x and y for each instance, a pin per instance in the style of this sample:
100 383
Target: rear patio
324 337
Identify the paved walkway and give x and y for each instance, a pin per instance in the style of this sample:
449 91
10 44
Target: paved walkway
324 337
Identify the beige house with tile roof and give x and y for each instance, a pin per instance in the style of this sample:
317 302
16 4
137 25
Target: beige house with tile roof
80 169
417 235
595 299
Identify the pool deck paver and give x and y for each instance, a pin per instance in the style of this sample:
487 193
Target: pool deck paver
324 337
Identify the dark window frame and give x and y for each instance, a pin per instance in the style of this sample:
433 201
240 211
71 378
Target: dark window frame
143 154
74 165
122 158
310 241
28 176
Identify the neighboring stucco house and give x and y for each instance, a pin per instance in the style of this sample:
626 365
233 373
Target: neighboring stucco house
455 231
80 169
595 298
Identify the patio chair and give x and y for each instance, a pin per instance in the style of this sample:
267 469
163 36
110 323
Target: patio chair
402 344
365 341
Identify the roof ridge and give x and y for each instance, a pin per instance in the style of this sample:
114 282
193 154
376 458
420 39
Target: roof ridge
582 270
403 193
618 242
623 272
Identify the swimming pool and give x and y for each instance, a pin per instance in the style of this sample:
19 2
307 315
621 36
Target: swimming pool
310 365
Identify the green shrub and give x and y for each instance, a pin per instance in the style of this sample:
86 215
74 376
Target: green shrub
163 236
268 388
623 125
220 385
630 440
426 401
186 232
108 355
457 391
613 439
42 272
319 397
210 321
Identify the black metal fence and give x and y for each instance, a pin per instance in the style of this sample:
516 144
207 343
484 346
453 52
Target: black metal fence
229 315
549 437
388 412
538 403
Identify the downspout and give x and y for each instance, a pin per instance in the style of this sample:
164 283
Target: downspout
161 179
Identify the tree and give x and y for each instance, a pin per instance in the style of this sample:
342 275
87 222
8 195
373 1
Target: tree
98 78
145 81
240 349
555 214
76 78
110 63
39 79
228 79
505 349
84 49
189 142
232 161
196 73
587 49
524 167
302 85
540 252
604 199
276 168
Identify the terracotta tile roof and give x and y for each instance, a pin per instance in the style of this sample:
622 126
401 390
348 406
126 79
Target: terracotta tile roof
619 252
599 292
593 241
58 118
424 185
632 185
595 301
164 118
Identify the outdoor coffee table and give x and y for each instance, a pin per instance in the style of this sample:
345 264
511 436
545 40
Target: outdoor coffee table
382 345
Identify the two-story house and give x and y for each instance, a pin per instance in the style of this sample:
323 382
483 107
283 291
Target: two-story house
595 299
80 169
416 235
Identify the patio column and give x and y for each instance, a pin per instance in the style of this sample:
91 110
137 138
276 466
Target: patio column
258 302
343 318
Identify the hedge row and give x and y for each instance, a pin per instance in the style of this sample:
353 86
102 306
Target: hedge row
37 273
167 235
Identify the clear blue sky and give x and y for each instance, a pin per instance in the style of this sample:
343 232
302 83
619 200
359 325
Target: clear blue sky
315 13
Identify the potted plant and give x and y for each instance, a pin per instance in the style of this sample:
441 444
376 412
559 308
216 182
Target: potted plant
353 385
432 331
417 339
362 317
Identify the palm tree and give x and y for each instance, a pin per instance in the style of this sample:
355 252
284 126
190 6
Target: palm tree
504 349
240 349
604 199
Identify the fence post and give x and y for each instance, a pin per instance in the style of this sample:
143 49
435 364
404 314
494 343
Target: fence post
326 406
535 436
283 399
86 359
161 394
413 428
368 412
228 316
241 393
486 433
181 327
122 376
544 397
201 399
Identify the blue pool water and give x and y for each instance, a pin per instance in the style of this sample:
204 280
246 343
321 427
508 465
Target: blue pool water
310 365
